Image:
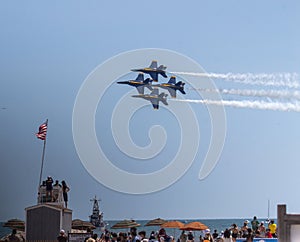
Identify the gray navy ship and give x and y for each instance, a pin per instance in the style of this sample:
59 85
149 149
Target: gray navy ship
96 218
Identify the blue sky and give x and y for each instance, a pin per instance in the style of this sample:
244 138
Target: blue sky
49 49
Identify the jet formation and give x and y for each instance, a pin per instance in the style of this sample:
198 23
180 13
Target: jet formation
154 97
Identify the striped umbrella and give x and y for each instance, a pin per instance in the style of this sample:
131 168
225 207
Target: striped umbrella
156 222
173 224
15 224
125 224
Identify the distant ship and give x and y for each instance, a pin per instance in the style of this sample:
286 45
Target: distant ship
96 218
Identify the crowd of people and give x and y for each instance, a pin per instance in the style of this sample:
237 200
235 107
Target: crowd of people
132 236
248 231
51 192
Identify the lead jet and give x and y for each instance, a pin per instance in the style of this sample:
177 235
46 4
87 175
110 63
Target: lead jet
139 83
154 97
172 86
153 70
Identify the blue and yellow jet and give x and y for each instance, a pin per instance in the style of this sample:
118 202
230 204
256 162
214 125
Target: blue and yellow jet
139 83
153 70
154 97
172 86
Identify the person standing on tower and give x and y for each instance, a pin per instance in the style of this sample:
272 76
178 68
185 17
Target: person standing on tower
65 190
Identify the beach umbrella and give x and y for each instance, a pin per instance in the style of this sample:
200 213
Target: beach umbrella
82 225
194 226
156 222
125 224
173 224
15 224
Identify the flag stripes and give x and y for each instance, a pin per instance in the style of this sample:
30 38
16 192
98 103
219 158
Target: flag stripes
42 131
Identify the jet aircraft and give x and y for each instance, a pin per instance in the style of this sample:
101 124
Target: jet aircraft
172 86
139 83
153 70
154 97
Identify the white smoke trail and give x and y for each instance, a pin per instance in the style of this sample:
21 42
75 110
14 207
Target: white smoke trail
279 106
290 80
282 94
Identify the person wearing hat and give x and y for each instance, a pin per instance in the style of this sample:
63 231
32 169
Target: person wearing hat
208 237
262 229
62 236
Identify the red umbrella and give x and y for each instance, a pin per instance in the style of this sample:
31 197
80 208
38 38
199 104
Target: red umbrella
172 224
194 226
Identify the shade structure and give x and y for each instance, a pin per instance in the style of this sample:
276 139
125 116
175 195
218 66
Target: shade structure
156 222
82 225
125 224
194 226
15 224
173 224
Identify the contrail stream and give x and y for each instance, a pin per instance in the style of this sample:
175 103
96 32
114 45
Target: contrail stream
290 80
276 94
279 106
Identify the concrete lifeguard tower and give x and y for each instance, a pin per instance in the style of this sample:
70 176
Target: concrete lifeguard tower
48 217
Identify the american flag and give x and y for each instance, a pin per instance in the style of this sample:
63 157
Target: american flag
42 131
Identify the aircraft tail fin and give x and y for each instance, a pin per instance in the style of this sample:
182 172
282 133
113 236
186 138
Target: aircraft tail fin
153 64
172 80
148 84
162 67
163 98
181 84
148 80
140 77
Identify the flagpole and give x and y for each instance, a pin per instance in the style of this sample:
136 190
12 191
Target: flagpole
43 157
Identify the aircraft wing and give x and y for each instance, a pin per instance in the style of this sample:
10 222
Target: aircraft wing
140 89
154 76
154 92
172 92
155 103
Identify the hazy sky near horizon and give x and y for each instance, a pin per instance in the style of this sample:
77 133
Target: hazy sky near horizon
47 51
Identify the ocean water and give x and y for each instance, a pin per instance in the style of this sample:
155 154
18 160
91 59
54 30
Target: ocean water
3 230
218 224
